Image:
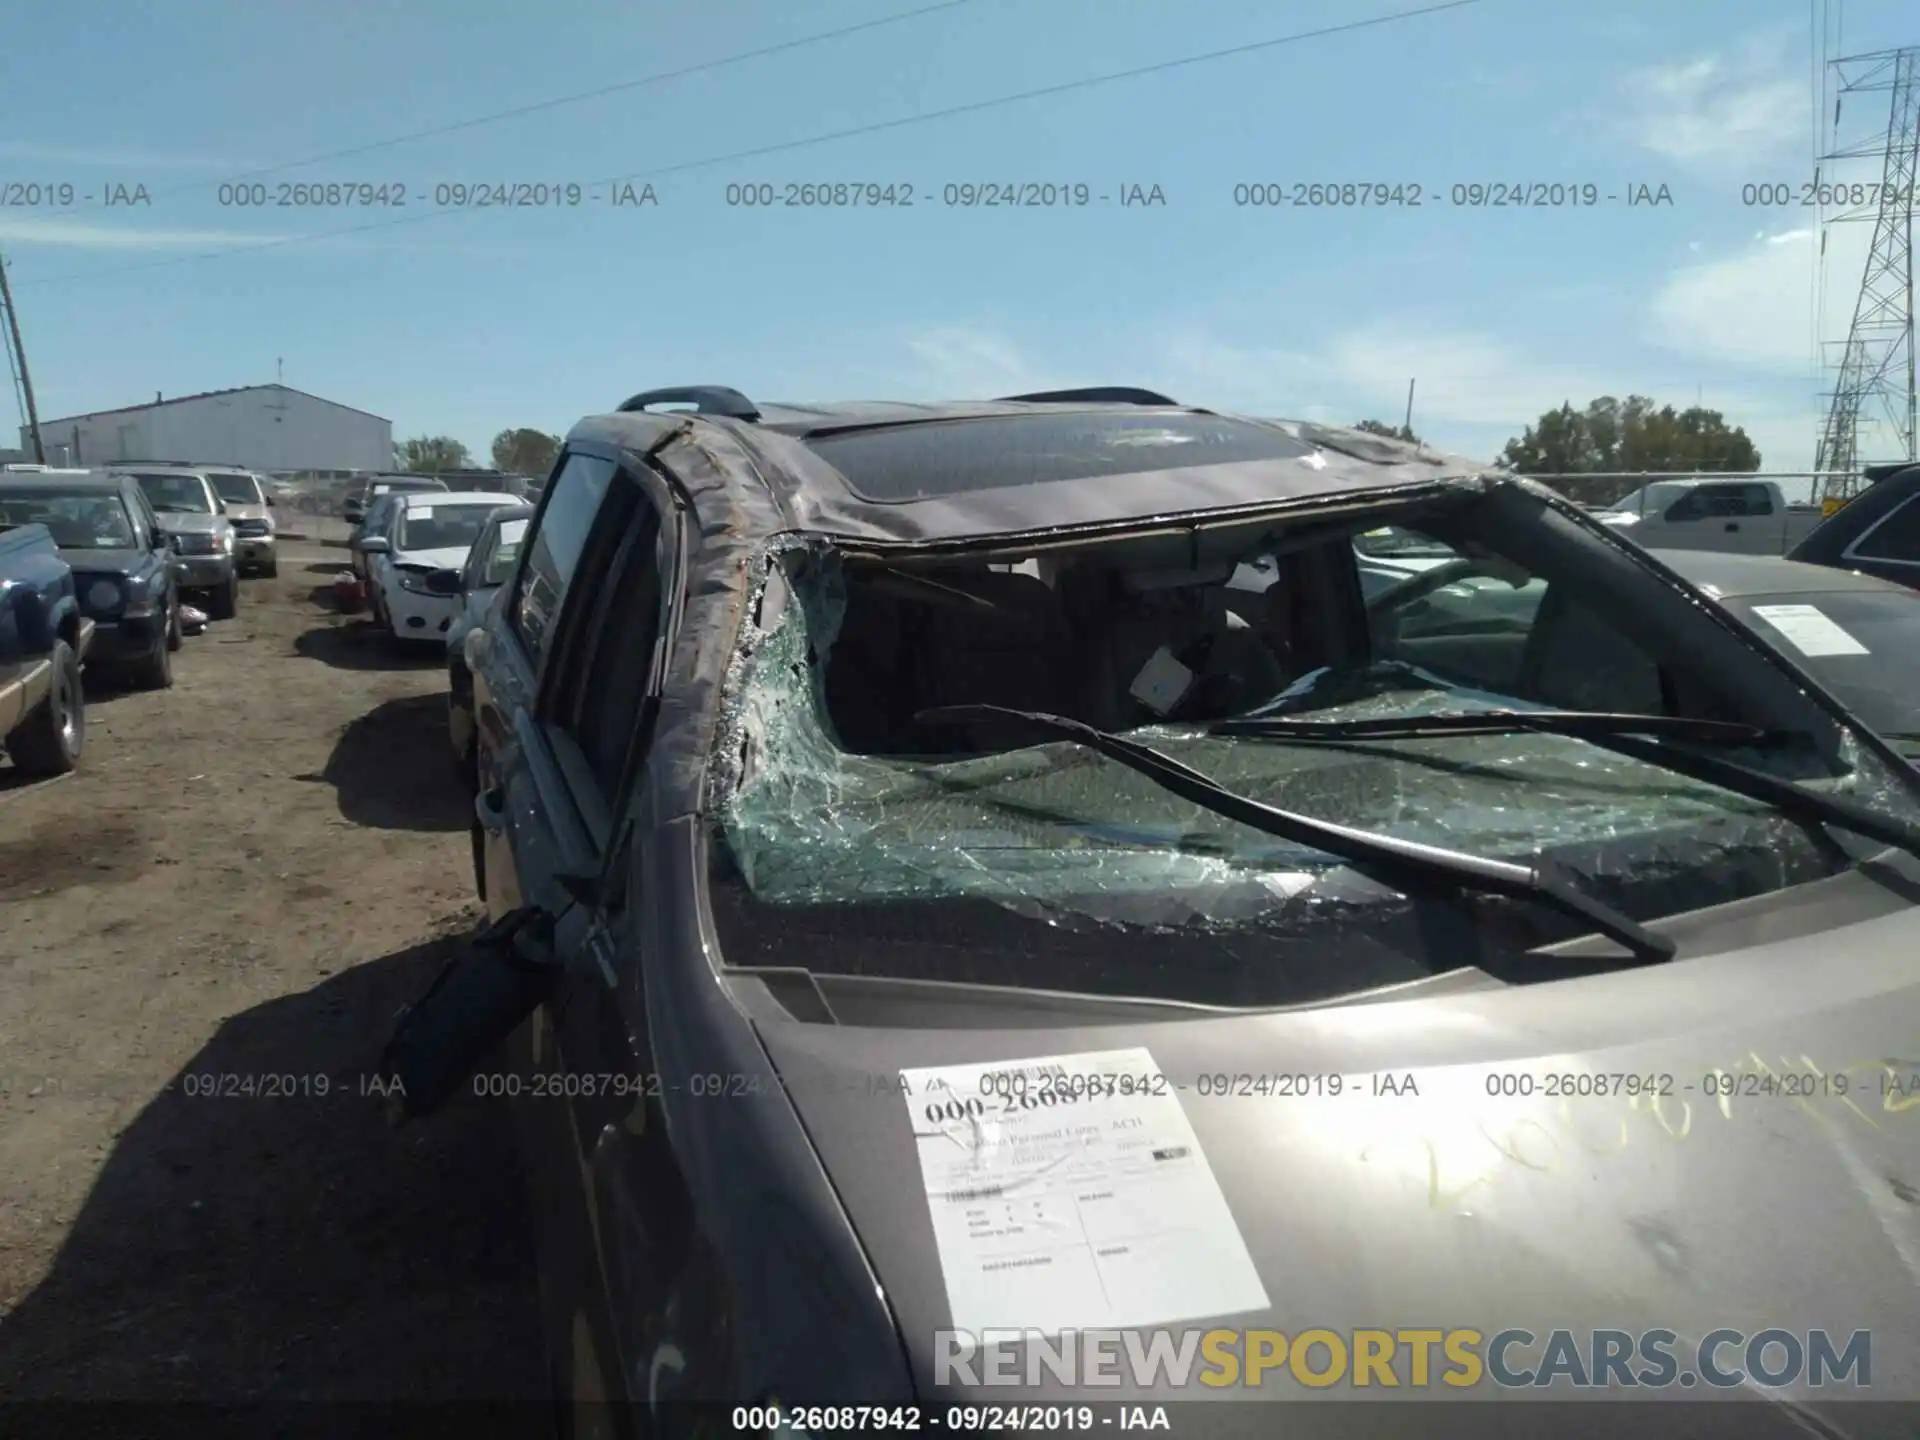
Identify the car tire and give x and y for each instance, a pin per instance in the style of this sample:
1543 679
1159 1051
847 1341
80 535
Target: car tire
271 568
155 671
49 741
176 637
224 603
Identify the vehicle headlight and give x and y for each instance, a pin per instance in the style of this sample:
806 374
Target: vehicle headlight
413 584
226 541
103 595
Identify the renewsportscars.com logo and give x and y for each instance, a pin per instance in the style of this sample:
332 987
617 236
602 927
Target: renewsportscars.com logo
1411 1358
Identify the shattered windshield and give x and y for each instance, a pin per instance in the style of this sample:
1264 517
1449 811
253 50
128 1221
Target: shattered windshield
844 808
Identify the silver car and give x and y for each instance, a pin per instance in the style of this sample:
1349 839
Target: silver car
489 566
250 507
203 537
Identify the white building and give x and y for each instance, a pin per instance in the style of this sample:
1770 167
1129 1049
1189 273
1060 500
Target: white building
257 427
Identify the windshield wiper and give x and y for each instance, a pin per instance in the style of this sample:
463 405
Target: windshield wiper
1620 733
1408 862
1504 722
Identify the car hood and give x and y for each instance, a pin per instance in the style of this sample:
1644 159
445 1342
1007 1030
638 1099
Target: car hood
185 523
248 512
1442 1205
451 557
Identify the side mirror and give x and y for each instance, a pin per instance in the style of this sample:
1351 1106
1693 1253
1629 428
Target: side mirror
444 582
373 545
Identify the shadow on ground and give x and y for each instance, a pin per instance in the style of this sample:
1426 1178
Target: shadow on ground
362 645
292 1246
393 769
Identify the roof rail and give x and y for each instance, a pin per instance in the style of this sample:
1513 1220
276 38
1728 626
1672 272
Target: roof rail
1093 395
707 400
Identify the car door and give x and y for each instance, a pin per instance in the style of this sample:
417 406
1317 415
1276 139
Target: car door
159 576
592 645
387 528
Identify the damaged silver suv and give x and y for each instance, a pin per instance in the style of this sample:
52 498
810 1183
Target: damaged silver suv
837 765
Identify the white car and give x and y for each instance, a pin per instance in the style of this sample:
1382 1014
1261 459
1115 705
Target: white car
414 563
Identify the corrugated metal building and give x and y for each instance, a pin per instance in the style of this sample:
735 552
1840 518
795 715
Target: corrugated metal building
257 427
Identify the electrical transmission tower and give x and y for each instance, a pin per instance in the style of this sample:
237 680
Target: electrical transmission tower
17 364
1878 360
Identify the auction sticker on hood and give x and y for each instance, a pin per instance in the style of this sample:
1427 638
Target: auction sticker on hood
1071 1193
1809 630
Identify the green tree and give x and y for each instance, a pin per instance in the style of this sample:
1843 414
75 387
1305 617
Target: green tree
430 454
1392 432
1611 436
525 452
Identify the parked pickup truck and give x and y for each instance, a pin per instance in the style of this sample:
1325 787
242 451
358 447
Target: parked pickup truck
1751 517
43 640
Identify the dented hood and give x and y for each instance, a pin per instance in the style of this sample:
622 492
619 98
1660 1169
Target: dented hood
1432 1190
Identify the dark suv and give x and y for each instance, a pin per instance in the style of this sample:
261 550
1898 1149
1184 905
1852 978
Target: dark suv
125 570
986 867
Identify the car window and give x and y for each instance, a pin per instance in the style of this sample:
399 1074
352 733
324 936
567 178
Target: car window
1722 502
1431 607
77 521
1895 537
179 493
613 684
505 553
236 489
440 527
554 550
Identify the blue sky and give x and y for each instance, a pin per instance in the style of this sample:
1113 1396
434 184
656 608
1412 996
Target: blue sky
468 322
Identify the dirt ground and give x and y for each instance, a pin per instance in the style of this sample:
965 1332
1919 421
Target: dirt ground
246 878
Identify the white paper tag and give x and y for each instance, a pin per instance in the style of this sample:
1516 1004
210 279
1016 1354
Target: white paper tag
1162 682
421 512
1097 1210
1808 629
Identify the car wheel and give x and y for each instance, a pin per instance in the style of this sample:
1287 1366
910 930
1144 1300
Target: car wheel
271 568
224 603
49 741
176 637
155 671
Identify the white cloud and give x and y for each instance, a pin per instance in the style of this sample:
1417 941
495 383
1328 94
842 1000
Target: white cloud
1753 308
127 160
1751 105
1473 390
67 235
953 361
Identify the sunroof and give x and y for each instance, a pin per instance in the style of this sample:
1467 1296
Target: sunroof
899 463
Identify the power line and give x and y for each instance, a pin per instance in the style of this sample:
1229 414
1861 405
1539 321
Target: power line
657 78
877 127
